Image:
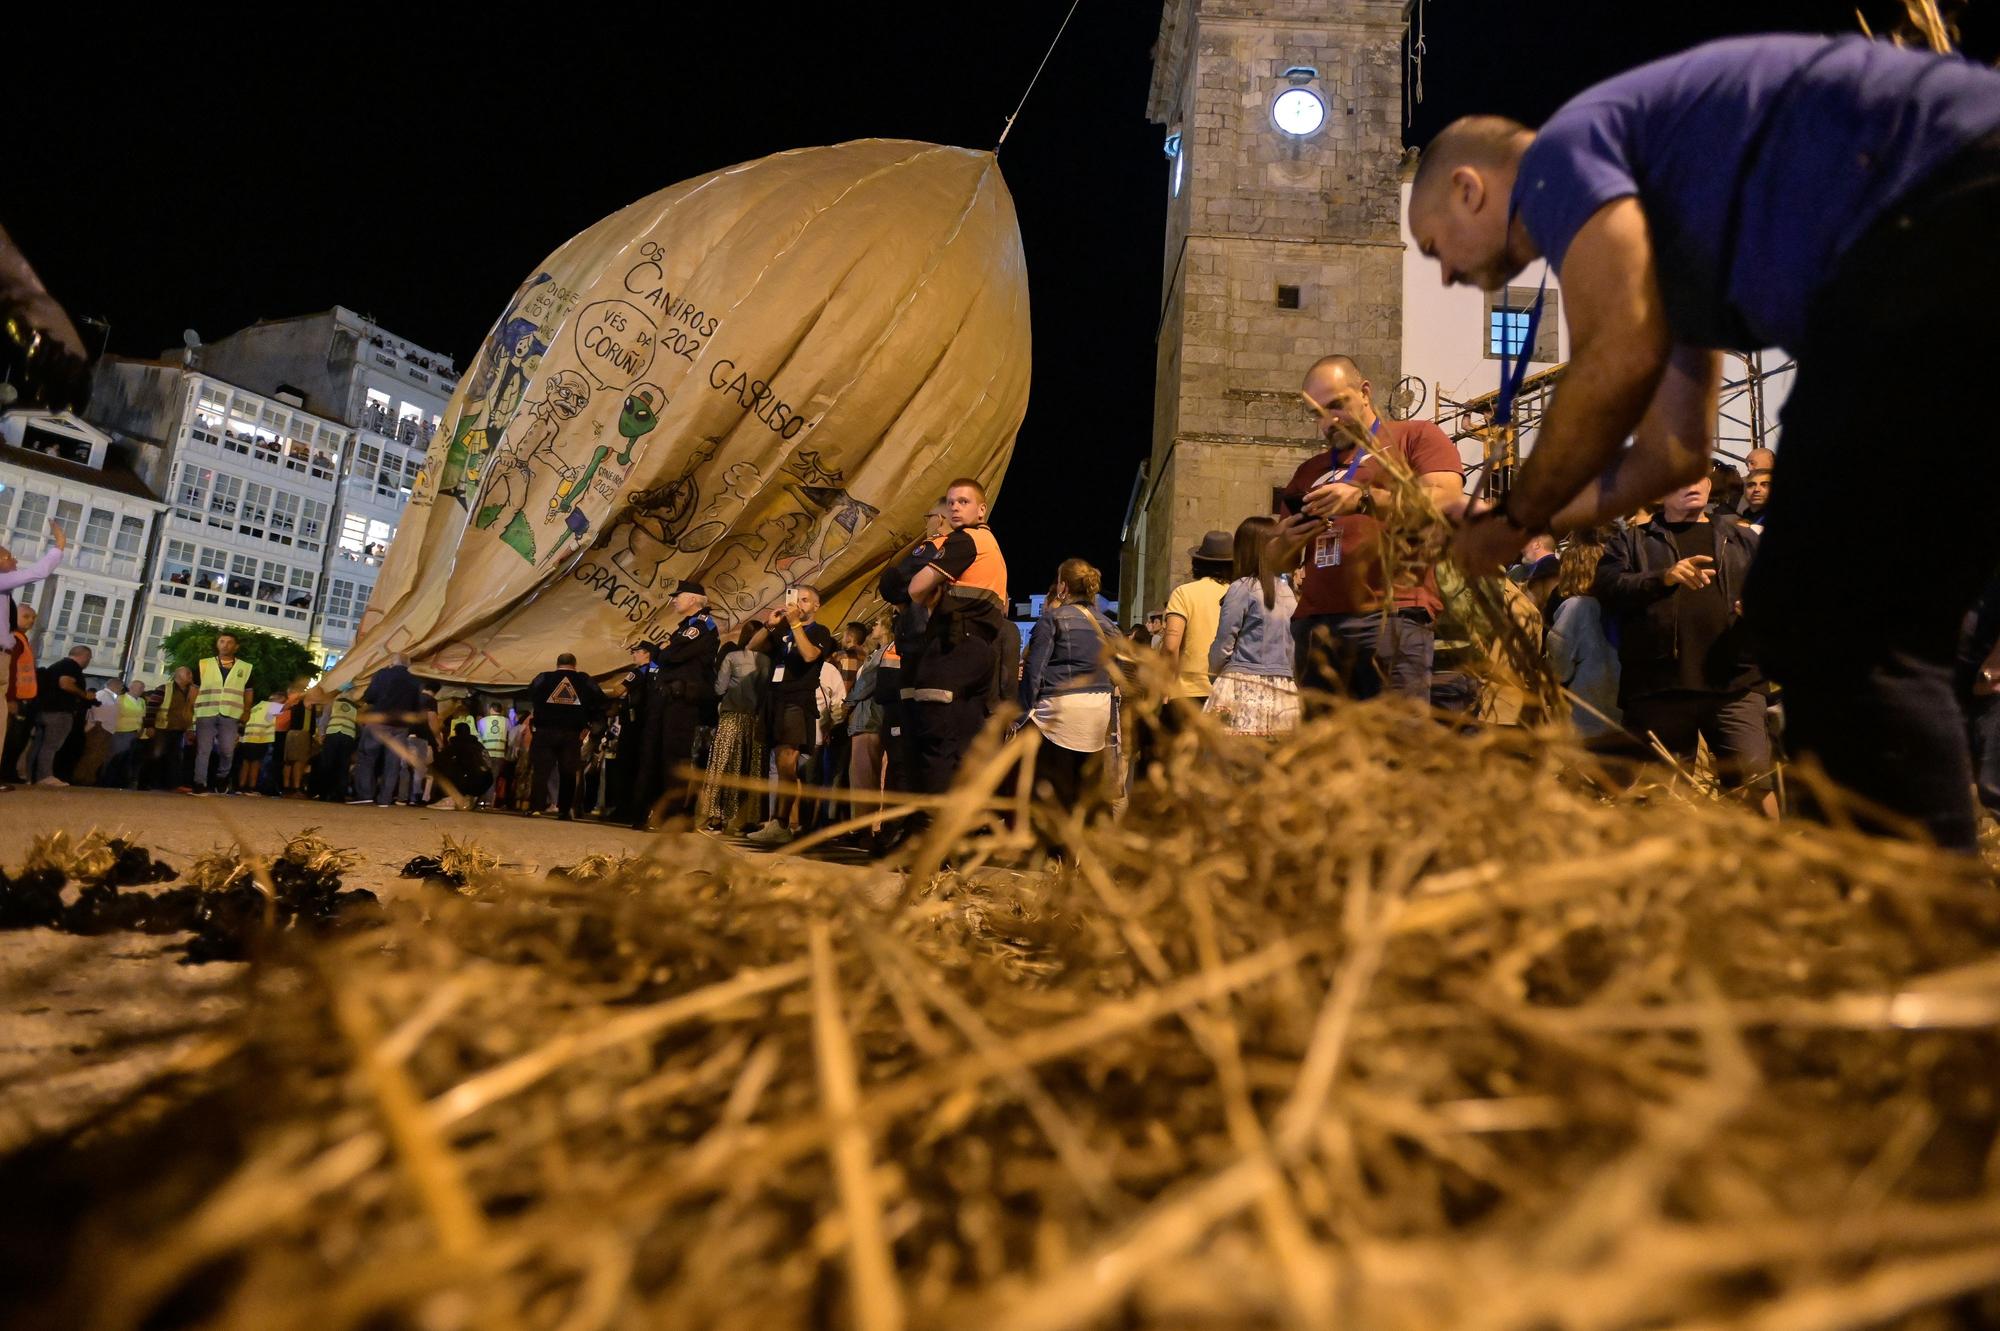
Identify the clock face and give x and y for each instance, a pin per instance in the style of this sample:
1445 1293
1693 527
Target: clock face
1298 111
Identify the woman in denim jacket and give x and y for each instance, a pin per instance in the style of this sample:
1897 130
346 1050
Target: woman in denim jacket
1066 683
1251 657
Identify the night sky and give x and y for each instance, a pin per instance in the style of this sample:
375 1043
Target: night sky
173 172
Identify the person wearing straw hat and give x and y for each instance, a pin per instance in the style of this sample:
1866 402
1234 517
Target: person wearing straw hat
1830 196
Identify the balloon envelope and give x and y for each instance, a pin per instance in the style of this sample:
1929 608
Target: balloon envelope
753 380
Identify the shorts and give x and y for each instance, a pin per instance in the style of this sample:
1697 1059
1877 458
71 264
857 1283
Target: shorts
794 727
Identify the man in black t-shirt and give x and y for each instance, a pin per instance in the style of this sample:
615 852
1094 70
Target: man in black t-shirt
64 699
1686 671
565 702
798 647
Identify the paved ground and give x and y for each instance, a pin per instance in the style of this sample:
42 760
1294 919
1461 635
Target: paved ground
66 1003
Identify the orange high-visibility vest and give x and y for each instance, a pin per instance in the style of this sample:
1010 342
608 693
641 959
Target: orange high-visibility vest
986 580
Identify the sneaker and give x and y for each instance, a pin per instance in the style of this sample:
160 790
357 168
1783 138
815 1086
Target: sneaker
251 794
199 790
52 781
184 790
773 833
361 801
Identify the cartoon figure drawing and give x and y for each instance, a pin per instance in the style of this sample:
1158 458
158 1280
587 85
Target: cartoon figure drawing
491 402
636 420
513 473
658 518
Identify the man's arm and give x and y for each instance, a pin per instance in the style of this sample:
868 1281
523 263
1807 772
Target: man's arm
802 641
34 572
1619 350
1670 448
928 585
1173 630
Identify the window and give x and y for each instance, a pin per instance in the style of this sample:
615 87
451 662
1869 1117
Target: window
222 501
33 518
256 508
211 575
97 530
340 601
64 613
271 583
284 517
6 504
242 582
89 617
1288 298
299 594
312 525
131 535
70 514
353 535
157 630
177 568
115 630
191 491
1507 325
367 458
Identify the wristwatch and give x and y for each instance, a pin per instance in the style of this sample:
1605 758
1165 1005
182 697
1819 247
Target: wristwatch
1366 504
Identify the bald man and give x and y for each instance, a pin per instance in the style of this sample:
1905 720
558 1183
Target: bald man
1832 197
1341 641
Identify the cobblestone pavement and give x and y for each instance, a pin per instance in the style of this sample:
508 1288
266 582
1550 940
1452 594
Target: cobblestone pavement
69 1006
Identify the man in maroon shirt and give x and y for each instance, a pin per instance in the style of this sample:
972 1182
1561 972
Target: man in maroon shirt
1341 642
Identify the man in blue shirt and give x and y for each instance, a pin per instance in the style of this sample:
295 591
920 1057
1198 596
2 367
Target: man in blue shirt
1832 197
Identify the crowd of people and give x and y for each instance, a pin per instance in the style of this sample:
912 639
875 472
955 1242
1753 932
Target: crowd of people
1641 622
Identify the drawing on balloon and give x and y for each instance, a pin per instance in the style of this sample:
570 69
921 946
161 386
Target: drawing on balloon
494 396
505 487
657 519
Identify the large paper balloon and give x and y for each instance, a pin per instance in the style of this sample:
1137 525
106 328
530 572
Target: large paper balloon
755 379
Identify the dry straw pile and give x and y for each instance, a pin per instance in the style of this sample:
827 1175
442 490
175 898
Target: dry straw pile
1392 1028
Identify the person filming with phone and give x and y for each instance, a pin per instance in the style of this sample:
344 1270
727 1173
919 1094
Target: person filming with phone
797 645
1340 643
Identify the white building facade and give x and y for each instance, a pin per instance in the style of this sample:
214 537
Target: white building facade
392 393
54 466
249 483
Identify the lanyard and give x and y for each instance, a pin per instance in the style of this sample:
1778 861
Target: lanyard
1346 477
1514 369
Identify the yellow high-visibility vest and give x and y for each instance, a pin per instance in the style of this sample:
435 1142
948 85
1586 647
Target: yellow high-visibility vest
493 735
131 714
343 719
221 695
261 728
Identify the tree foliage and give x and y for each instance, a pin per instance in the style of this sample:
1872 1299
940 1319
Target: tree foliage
275 662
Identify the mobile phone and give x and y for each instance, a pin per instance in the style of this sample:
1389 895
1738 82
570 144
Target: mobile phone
791 596
1285 503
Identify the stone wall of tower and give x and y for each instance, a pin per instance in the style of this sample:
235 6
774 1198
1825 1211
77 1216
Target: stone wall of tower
1260 209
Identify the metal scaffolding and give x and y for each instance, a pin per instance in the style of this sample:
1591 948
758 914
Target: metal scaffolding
1742 422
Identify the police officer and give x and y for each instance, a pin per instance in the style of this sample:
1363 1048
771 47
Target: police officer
905 644
681 685
629 802
970 650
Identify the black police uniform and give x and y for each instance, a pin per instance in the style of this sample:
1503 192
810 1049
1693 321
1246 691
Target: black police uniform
631 737
682 684
907 630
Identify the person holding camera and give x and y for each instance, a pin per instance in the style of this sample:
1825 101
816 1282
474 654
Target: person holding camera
680 684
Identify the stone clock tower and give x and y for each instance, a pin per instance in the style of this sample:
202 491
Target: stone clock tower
1283 124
